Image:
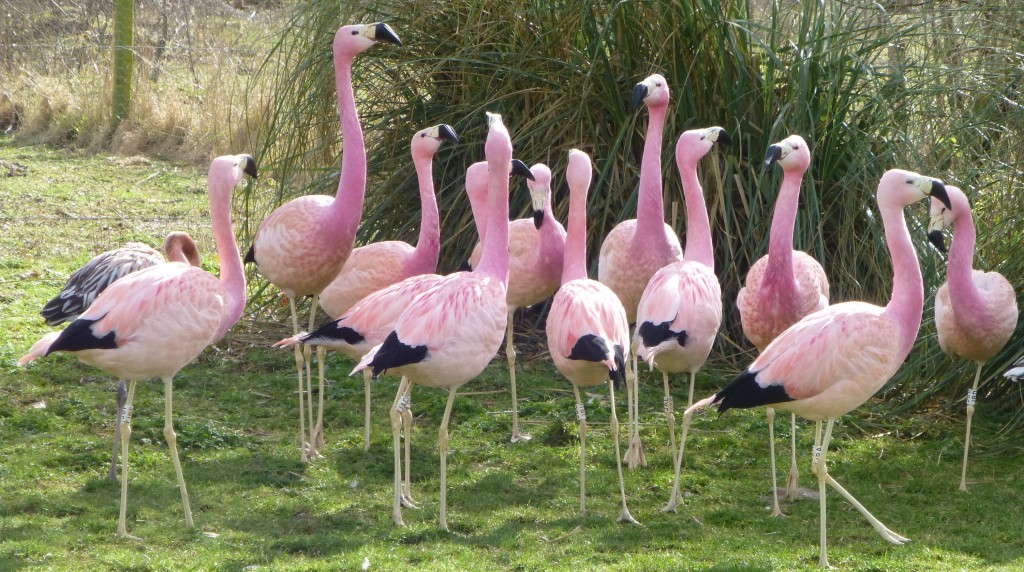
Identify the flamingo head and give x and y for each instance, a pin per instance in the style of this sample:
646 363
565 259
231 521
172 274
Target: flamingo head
427 141
579 171
357 38
792 154
943 217
899 188
652 91
695 143
540 192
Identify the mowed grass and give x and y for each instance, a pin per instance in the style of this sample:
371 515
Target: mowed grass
511 507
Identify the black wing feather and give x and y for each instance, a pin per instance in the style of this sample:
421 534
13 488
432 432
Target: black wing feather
744 392
79 336
394 353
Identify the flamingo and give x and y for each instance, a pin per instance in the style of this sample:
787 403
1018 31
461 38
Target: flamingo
100 272
369 321
535 263
681 309
783 286
637 248
449 333
374 266
975 311
831 361
155 321
587 330
304 243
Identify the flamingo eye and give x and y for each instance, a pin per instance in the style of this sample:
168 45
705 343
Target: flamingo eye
355 32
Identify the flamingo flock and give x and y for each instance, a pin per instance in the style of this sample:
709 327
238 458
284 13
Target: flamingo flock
137 317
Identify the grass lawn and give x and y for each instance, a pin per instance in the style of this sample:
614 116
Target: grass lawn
511 507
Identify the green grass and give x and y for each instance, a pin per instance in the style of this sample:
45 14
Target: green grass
511 507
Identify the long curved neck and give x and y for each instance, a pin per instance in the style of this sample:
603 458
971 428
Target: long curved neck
428 245
698 226
963 293
232 276
494 258
574 263
650 209
348 204
907 301
779 271
552 235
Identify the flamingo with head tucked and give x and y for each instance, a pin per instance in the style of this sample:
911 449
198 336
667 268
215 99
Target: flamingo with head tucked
449 333
635 249
155 321
833 360
304 243
975 311
535 261
681 309
587 331
783 286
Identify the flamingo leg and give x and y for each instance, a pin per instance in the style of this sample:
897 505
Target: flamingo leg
510 353
443 445
172 445
122 396
367 378
634 451
819 468
318 432
396 425
125 423
581 418
671 417
770 412
315 431
671 507
971 397
624 516
793 484
407 499
303 445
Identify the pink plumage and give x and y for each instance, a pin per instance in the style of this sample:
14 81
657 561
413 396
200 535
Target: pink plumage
681 308
535 249
154 322
451 332
303 244
783 286
833 360
587 331
975 311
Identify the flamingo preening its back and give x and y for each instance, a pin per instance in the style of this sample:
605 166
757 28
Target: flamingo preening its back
381 264
833 360
535 248
587 331
783 286
681 309
154 322
635 249
975 311
449 333
303 244
89 281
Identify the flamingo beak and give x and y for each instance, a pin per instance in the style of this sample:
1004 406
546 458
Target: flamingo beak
446 133
520 168
939 191
248 165
721 136
938 240
639 95
383 33
774 155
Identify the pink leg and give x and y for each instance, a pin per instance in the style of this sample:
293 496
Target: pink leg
971 398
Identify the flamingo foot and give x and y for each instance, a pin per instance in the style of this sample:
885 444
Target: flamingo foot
408 502
671 506
396 517
520 437
318 439
793 484
628 518
634 456
124 534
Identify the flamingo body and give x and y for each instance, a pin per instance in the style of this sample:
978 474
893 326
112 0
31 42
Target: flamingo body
766 310
980 343
627 261
587 332
679 317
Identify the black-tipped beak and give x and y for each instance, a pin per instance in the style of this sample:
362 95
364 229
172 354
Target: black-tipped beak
639 95
939 191
723 137
538 219
938 240
772 156
520 168
446 133
384 33
248 165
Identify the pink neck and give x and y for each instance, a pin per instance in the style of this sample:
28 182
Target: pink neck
552 237
779 272
698 227
494 258
967 301
428 245
650 209
907 301
574 263
232 276
347 208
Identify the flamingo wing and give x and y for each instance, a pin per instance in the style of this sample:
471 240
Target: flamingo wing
587 322
681 300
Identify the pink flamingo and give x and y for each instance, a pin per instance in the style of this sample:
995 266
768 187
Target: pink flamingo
833 360
374 266
154 322
587 330
635 249
975 311
535 263
304 243
449 334
100 272
681 309
783 286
